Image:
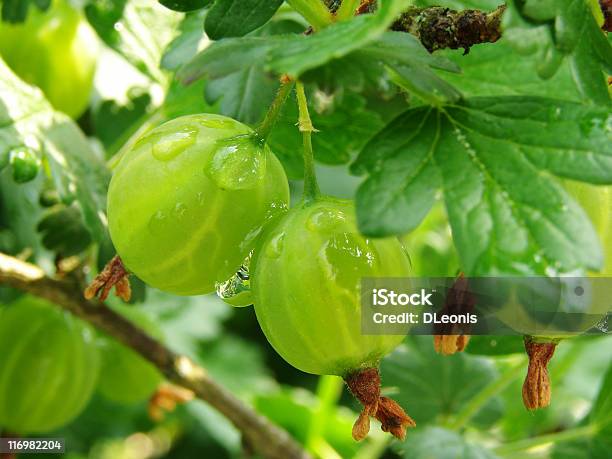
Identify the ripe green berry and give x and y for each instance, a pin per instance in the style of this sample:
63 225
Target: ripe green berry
306 287
55 50
48 366
125 377
187 203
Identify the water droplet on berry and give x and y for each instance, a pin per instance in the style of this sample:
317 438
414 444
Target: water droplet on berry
180 209
238 163
158 222
275 247
219 123
237 289
325 220
169 145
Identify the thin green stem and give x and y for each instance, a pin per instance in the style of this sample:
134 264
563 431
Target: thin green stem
347 9
329 390
274 111
475 404
311 188
510 449
314 11
375 447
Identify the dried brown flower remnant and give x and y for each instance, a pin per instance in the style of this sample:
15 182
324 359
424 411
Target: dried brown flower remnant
115 275
165 399
365 386
453 337
450 344
536 388
606 9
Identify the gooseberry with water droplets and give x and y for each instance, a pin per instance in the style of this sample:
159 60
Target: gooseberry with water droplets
188 201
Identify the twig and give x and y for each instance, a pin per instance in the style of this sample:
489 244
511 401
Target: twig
438 27
268 439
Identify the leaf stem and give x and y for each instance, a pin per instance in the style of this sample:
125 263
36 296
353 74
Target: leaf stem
329 390
311 188
314 11
475 404
511 449
347 9
264 129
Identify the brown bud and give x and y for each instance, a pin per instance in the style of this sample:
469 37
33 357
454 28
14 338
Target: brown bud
450 344
165 399
536 388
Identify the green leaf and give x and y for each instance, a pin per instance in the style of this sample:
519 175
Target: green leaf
344 125
113 122
186 45
428 385
20 211
237 365
243 95
601 417
401 188
15 11
243 92
404 49
294 410
187 321
235 18
185 5
26 118
499 70
568 30
63 232
494 159
436 442
291 54
225 57
297 54
139 30
424 83
495 345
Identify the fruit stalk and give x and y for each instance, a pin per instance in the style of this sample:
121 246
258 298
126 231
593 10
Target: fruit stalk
264 129
314 11
311 187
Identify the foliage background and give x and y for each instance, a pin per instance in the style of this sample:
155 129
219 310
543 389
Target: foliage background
465 405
